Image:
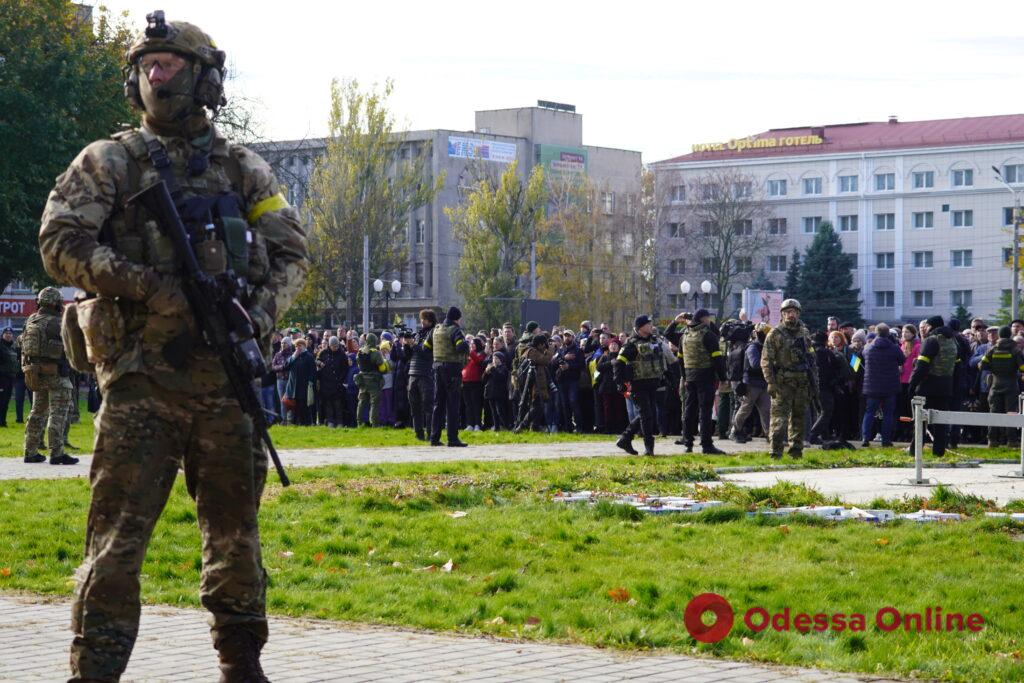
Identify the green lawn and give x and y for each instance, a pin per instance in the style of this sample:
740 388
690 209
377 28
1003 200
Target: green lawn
369 544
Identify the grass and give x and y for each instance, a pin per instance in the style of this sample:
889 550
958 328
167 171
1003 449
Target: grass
358 543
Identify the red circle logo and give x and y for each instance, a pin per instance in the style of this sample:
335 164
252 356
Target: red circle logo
708 602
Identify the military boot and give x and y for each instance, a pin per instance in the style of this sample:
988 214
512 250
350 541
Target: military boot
711 449
240 658
648 445
625 442
420 436
63 459
34 458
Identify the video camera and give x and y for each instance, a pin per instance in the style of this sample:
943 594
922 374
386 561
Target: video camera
737 331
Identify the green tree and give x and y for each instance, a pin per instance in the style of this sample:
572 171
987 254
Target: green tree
826 281
762 281
360 187
60 89
964 316
1002 316
791 288
497 221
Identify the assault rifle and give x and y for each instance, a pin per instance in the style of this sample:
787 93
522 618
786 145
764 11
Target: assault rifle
220 316
801 345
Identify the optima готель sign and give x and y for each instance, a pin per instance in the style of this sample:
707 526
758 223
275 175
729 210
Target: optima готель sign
740 144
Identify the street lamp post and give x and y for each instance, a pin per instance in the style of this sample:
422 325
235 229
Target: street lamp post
393 290
706 288
1017 219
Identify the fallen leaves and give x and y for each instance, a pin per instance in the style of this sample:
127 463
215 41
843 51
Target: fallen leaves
784 528
285 554
882 541
496 621
458 514
532 621
5 572
318 558
619 595
448 566
428 568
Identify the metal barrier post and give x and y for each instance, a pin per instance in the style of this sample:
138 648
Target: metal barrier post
917 405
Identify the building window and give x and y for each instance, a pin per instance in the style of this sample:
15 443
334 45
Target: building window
812 185
608 203
1008 216
1013 173
419 274
923 259
678 193
1007 255
923 219
742 190
776 226
961 297
963 178
847 183
811 224
963 219
885 260
627 244
709 264
673 301
777 264
421 231
962 258
848 223
922 298
707 228
885 221
854 261
743 228
885 299
923 179
743 264
630 205
776 188
885 181
677 266
675 229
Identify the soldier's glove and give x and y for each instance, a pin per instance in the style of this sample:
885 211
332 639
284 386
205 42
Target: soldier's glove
773 391
166 298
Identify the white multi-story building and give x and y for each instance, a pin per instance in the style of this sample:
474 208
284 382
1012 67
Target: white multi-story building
917 204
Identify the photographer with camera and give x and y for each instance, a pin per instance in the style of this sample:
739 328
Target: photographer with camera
535 385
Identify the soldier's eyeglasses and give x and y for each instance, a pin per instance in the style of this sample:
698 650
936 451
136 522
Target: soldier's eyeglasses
170 64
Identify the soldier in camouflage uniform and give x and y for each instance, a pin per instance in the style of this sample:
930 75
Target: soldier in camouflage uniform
167 403
792 378
47 375
370 380
1004 362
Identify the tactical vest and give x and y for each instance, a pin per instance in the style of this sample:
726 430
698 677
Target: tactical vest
364 361
444 349
1002 363
944 365
650 359
695 356
793 358
40 341
211 209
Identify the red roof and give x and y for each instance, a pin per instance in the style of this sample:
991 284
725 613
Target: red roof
863 137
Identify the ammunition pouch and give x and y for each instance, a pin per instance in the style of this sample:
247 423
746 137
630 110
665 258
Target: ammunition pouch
101 329
74 341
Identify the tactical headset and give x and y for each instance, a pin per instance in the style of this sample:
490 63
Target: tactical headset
208 87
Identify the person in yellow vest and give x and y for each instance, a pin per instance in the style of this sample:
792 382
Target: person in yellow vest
450 352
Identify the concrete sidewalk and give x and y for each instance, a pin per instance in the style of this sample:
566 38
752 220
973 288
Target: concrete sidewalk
174 645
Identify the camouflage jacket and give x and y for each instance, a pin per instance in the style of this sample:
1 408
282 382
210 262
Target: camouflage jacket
782 357
90 199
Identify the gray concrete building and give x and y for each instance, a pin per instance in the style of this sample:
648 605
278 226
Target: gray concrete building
550 135
916 204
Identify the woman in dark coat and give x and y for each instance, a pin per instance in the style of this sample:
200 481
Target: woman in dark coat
332 368
301 372
496 384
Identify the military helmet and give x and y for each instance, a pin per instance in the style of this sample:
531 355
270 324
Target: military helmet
791 303
180 37
184 39
763 327
50 296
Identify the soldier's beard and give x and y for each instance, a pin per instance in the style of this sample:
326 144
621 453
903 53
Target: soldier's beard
171 109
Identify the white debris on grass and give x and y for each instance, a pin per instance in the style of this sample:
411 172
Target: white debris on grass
1015 516
658 505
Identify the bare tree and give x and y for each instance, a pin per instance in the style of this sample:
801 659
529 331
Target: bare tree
726 229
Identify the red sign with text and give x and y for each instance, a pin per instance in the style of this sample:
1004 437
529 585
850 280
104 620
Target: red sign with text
16 308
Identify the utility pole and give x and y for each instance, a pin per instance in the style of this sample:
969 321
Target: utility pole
366 283
1015 256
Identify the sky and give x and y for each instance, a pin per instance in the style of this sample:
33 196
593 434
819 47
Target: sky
649 76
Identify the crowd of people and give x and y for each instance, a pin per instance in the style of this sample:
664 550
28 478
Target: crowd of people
569 380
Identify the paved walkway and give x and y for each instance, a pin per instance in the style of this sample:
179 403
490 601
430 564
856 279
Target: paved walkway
863 484
15 468
174 645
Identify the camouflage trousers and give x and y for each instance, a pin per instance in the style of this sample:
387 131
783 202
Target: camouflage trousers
369 402
789 408
50 406
144 433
